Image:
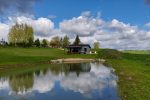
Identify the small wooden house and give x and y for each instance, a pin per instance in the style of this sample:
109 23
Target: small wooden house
79 49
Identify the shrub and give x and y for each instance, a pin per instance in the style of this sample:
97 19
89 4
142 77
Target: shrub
109 54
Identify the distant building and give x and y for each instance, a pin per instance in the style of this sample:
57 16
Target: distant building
79 49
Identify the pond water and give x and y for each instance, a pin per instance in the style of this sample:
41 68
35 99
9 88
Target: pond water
80 81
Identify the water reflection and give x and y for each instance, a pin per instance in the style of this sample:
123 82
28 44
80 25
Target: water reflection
62 81
21 83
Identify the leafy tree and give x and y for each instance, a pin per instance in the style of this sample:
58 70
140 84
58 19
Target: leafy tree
37 43
77 40
44 43
30 42
21 35
66 41
55 42
61 42
52 44
96 45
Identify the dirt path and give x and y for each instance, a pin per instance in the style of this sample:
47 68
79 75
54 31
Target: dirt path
74 60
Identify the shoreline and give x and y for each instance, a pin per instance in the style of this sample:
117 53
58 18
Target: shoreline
53 61
76 60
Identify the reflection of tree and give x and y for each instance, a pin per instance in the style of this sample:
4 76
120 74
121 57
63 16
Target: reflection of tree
21 83
45 71
66 68
83 67
56 69
37 72
79 67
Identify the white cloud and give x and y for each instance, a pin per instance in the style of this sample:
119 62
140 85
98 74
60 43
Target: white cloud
83 26
86 13
42 26
147 24
118 35
111 34
4 29
52 16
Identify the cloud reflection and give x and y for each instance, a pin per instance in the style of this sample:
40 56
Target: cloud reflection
99 78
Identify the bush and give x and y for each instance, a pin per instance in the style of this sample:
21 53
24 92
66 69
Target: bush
109 54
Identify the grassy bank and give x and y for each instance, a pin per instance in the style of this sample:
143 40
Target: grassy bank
30 55
134 75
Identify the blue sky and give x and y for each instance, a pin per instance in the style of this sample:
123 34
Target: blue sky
135 12
118 24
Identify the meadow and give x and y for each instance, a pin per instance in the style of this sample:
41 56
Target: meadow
133 70
137 51
134 75
12 55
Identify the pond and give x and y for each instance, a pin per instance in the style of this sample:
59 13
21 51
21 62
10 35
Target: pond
78 81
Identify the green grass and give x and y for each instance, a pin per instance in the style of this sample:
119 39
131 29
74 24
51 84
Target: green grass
30 55
26 69
134 76
137 51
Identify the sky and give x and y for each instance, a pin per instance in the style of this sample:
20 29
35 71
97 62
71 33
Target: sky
117 24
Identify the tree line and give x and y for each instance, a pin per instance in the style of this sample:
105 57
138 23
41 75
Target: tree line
22 35
55 42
